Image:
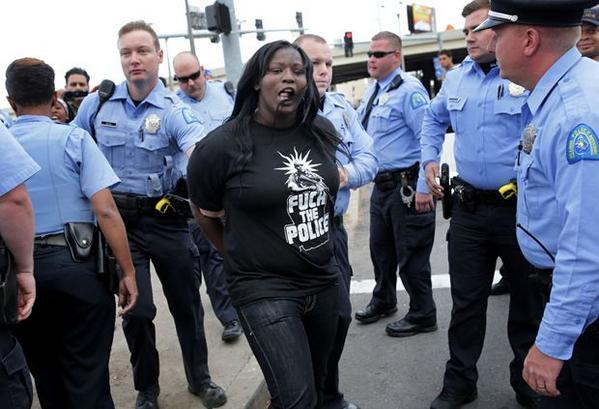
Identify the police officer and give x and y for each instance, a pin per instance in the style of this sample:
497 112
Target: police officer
402 217
16 230
484 111
143 129
358 166
588 45
75 310
558 186
212 101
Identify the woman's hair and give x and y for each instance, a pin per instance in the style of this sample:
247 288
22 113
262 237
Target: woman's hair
246 103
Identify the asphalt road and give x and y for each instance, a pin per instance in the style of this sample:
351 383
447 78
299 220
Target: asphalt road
381 372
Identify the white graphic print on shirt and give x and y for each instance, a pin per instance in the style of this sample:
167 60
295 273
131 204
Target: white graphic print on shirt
308 204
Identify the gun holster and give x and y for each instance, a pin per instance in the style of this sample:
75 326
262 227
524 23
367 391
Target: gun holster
9 291
80 238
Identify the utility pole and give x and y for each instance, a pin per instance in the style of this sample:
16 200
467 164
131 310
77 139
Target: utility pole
192 47
231 48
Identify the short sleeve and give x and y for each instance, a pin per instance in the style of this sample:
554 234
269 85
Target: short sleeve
95 173
208 170
185 127
16 166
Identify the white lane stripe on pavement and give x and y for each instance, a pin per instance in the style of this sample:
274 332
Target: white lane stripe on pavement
438 281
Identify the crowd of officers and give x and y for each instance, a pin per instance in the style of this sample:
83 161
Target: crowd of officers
120 167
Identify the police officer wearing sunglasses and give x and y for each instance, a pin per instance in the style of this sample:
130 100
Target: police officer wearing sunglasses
402 217
212 101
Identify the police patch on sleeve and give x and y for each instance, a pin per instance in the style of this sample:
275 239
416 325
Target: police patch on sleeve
417 100
582 144
189 116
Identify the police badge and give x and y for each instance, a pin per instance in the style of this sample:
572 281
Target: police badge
152 123
384 98
528 138
515 89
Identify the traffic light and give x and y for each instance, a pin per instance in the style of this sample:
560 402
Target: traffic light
218 18
300 21
260 34
348 39
348 44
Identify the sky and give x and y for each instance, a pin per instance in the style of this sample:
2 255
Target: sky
68 33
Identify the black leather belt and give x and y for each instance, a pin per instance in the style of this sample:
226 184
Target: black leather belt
467 194
135 202
57 239
411 173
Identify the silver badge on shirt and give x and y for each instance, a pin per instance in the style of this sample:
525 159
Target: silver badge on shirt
528 138
152 123
515 89
384 98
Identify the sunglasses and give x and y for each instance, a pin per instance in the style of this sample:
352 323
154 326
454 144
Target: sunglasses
379 54
192 77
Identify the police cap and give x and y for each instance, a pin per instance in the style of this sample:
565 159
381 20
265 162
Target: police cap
552 13
591 16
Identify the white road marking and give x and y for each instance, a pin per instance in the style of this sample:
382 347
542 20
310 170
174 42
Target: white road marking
438 281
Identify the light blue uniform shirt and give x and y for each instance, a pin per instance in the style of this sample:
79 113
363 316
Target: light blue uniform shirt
144 143
558 189
395 123
484 112
361 165
73 170
214 108
16 166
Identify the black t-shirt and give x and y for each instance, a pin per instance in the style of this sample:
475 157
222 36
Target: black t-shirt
278 208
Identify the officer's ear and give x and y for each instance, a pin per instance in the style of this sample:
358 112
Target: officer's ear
531 41
54 98
12 104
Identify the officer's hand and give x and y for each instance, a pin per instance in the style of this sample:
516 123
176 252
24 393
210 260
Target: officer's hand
26 284
540 372
431 172
127 293
343 177
424 202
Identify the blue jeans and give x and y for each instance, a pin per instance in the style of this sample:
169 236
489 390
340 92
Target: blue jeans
292 339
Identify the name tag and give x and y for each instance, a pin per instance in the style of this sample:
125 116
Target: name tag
108 124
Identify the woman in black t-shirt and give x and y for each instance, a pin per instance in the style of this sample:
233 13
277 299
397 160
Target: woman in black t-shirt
271 170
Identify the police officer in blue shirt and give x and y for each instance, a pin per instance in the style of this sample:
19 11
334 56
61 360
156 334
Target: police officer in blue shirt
358 166
212 102
16 230
484 111
67 339
402 217
558 186
143 130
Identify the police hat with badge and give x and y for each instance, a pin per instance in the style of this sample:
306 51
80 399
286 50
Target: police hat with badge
550 13
591 16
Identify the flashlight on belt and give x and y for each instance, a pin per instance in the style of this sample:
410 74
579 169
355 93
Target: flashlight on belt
509 189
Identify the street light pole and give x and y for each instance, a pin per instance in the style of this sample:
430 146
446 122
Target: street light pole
192 47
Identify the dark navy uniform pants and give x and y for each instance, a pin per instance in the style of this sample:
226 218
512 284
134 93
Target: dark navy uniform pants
68 337
167 243
400 237
333 398
210 264
476 239
15 383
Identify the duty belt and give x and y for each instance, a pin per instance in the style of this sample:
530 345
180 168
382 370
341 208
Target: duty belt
388 179
410 172
51 240
135 203
467 194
